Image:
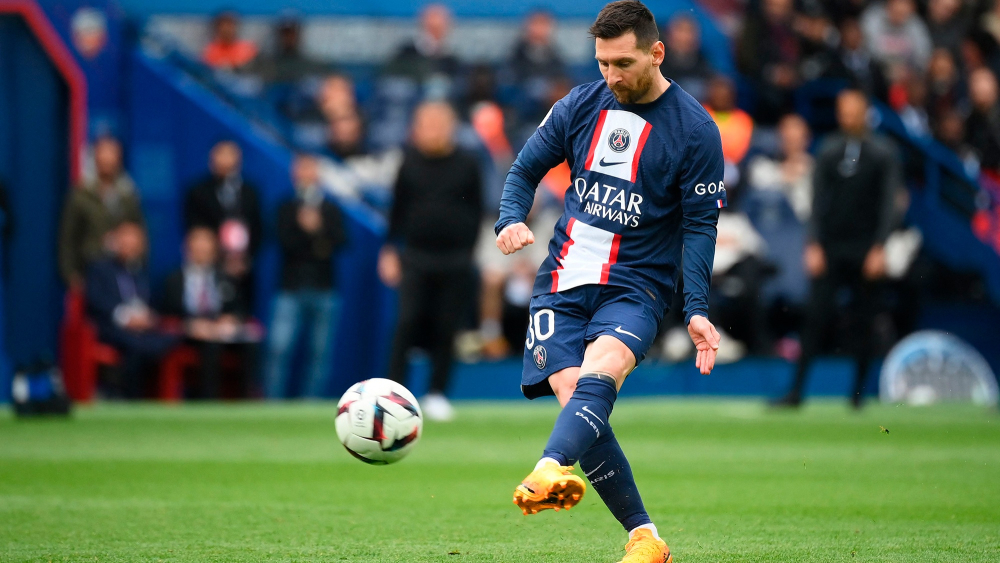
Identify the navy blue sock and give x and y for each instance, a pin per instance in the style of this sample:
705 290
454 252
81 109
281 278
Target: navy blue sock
609 473
582 421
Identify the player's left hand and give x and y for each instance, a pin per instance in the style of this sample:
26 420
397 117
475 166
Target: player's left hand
706 340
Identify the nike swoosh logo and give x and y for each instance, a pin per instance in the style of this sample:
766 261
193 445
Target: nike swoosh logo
595 470
620 331
602 163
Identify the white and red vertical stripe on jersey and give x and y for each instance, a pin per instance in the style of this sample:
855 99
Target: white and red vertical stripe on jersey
586 257
622 159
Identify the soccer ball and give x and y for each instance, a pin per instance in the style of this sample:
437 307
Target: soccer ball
379 421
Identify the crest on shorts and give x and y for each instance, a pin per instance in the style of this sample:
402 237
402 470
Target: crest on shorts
539 355
619 139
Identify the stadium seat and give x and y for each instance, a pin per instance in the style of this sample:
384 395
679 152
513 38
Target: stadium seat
173 368
170 387
82 353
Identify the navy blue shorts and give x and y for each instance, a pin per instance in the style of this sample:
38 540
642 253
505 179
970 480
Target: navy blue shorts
562 324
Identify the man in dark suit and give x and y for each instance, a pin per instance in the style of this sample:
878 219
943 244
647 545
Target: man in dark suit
118 301
436 211
213 310
311 232
229 206
855 181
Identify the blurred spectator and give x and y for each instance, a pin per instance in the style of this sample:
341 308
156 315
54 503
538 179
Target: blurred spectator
535 66
118 302
336 97
350 169
213 310
855 63
897 37
481 87
487 121
495 268
817 40
683 60
428 59
972 56
227 51
311 233
948 24
535 55
229 206
768 53
949 130
93 210
982 128
435 217
288 64
857 175
989 31
792 172
738 272
945 90
735 126
346 136
841 10
912 105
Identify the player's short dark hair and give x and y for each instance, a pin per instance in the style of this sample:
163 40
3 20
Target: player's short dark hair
618 18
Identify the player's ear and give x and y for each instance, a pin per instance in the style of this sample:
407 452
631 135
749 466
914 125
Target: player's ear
658 51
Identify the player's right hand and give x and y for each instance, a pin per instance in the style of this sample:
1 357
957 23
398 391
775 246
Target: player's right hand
514 237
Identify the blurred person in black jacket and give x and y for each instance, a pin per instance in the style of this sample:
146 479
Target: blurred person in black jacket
311 232
982 127
288 64
854 62
118 302
432 233
212 308
228 205
768 53
683 59
429 59
856 177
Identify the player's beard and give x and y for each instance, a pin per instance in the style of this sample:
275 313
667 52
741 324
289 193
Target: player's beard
643 83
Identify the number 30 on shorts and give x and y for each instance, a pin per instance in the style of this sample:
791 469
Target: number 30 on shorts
540 326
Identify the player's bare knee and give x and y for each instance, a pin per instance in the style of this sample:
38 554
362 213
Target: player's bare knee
609 355
563 384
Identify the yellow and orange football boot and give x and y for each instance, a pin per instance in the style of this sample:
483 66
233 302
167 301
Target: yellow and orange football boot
550 486
644 547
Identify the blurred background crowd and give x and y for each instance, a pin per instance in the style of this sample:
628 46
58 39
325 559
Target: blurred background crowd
398 133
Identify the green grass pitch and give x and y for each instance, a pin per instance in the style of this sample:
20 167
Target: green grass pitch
725 481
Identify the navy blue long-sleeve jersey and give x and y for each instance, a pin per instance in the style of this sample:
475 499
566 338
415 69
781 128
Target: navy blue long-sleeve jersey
647 187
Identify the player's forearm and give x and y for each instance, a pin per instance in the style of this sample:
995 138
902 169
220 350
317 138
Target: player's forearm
699 254
519 188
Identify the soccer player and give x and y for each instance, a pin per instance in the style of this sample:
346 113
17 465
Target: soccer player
647 167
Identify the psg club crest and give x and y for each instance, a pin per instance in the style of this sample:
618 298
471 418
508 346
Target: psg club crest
539 355
619 139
